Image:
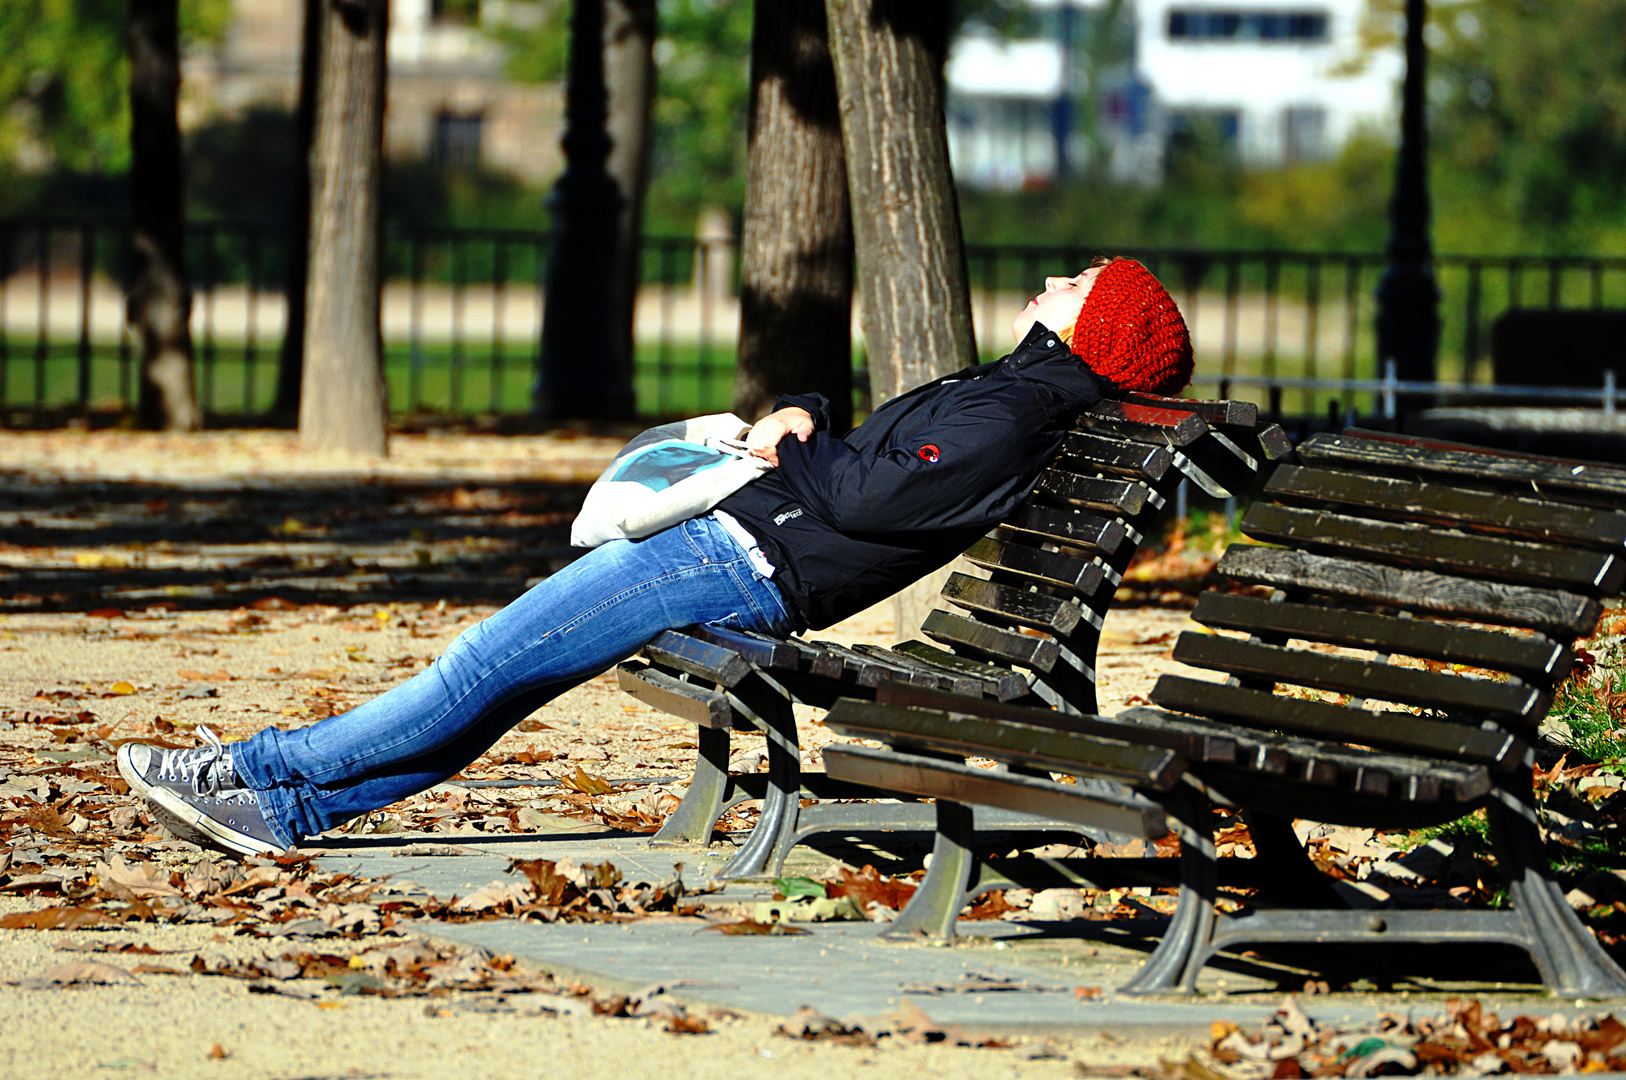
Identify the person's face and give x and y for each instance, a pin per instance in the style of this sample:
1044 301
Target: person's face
1058 306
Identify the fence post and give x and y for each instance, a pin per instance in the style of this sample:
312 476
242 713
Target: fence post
1609 391
1389 389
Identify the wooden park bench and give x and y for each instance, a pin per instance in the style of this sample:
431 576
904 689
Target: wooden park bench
1027 633
1421 603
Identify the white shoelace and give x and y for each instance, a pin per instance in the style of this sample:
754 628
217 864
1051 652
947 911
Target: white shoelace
207 768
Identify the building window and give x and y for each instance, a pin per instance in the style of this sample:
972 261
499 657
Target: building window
1304 133
1235 25
457 138
457 12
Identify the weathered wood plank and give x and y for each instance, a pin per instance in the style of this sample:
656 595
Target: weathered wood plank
1102 453
1212 410
1190 740
811 660
757 649
1490 511
1081 529
957 682
1265 442
1001 684
1341 723
1017 744
1362 678
1440 550
702 658
873 670
686 701
1534 657
915 774
1553 479
1559 614
1142 423
1083 576
1125 497
992 642
1007 604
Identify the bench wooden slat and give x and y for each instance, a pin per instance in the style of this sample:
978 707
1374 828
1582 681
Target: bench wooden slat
1413 500
1126 497
1340 723
1544 477
1444 779
1010 605
1264 442
686 701
873 670
1100 453
990 642
756 649
1190 740
1362 678
1083 576
1001 684
1069 752
1559 614
1212 410
702 658
957 682
1081 529
1143 423
893 770
1439 550
1533 656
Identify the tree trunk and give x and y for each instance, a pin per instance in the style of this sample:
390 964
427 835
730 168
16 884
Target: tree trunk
911 257
291 363
796 270
159 306
629 83
343 399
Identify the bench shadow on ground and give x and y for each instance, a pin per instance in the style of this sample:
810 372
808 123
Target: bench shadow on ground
73 545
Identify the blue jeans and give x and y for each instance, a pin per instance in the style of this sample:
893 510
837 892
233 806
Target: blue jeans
578 623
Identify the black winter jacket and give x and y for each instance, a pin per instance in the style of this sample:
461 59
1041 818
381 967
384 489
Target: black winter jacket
850 521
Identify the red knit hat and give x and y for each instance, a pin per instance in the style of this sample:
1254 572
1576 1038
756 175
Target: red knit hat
1131 332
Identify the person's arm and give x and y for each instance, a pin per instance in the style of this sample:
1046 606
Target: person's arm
974 467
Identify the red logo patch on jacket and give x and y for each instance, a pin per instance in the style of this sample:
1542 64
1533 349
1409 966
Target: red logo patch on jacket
928 452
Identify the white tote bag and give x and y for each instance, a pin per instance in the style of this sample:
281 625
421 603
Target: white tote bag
668 474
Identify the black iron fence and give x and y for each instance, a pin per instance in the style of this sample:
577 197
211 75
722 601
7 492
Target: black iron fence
462 314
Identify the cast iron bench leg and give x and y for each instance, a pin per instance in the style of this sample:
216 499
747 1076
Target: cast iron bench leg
932 911
693 819
1178 959
1570 960
770 841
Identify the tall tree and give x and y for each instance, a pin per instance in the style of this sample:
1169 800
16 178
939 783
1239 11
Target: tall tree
629 83
160 300
889 58
343 398
291 363
796 271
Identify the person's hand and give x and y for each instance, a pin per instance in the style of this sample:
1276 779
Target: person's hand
763 439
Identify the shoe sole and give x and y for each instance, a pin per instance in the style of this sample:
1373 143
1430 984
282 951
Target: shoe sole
211 830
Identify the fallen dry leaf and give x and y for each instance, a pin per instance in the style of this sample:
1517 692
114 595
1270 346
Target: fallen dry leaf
78 973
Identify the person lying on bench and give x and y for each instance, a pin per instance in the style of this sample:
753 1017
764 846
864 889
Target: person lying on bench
840 524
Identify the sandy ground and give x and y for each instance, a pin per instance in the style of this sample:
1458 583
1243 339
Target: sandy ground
102 675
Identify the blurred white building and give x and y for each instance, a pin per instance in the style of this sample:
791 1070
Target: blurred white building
1272 81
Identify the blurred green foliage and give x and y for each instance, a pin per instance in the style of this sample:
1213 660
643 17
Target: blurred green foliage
1528 137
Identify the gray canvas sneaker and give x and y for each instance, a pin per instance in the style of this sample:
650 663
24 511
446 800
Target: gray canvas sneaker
197 795
230 819
202 770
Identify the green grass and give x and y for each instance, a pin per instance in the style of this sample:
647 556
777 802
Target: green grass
1590 728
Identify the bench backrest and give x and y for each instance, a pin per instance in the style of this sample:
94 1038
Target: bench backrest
1054 565
1402 566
